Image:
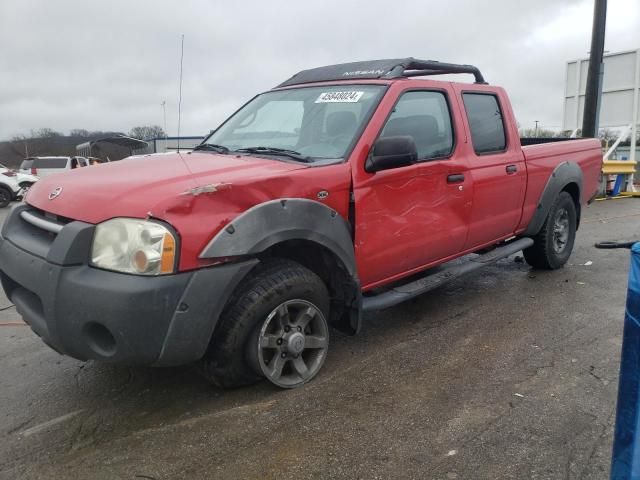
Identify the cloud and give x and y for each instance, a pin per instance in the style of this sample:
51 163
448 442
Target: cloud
109 65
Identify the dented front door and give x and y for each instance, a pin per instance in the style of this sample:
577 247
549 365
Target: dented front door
409 217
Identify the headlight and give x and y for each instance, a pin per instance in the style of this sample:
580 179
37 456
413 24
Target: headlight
134 246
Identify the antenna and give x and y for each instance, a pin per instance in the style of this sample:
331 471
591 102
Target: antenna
180 91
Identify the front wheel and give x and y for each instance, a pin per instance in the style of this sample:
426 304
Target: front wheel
290 347
554 243
6 196
275 326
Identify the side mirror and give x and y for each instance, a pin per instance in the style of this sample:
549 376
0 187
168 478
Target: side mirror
391 152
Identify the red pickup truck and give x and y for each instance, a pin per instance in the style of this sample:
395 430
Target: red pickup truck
332 194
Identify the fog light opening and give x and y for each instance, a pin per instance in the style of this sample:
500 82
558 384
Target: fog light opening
100 339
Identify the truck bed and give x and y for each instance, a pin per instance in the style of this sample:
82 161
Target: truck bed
543 158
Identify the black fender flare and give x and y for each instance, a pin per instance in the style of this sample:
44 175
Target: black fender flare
564 174
275 221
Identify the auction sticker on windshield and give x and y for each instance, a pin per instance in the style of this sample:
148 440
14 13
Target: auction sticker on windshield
339 97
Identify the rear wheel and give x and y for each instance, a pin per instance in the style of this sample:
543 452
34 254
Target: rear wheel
6 196
553 244
273 327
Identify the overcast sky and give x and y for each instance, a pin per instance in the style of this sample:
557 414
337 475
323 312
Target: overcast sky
108 65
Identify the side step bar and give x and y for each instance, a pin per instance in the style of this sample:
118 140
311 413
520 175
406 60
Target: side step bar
411 290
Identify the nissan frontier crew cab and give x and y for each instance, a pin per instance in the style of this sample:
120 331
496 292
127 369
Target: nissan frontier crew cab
332 194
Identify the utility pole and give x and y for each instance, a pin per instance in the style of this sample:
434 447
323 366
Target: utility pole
595 73
164 116
536 134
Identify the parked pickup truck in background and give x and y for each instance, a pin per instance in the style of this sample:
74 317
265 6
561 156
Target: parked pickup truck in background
314 202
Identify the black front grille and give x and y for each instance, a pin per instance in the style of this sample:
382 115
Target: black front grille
57 239
46 221
53 216
24 229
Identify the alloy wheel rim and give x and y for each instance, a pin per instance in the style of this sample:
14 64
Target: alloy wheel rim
292 343
561 231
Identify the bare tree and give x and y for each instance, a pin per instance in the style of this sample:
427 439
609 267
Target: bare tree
19 144
536 133
44 133
607 135
103 133
147 132
79 132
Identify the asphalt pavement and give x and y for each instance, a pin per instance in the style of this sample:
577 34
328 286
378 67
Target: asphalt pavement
508 373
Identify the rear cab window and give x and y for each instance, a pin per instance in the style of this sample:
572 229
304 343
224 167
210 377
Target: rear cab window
485 122
425 116
50 162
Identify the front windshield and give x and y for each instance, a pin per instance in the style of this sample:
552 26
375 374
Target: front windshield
315 122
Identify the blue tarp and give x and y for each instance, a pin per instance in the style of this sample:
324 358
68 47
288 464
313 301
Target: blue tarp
625 463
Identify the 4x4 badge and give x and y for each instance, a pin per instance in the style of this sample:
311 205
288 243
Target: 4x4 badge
55 193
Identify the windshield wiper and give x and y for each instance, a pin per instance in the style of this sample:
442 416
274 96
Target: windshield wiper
276 151
212 147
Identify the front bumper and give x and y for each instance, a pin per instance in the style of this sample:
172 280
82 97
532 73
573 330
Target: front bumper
88 313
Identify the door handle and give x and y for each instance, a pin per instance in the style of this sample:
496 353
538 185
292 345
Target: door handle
455 178
511 169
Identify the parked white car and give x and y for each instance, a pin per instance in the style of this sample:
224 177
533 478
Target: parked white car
25 180
45 166
10 188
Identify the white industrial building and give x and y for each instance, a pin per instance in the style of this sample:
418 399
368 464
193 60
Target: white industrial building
620 105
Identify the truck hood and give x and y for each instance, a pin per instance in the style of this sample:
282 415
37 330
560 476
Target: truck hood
147 186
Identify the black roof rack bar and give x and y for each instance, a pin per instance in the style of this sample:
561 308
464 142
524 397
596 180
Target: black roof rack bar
381 69
419 68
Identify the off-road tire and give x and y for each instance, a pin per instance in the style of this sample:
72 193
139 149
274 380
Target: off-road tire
6 196
226 362
542 253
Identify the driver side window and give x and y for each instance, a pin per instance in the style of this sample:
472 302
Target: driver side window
423 115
